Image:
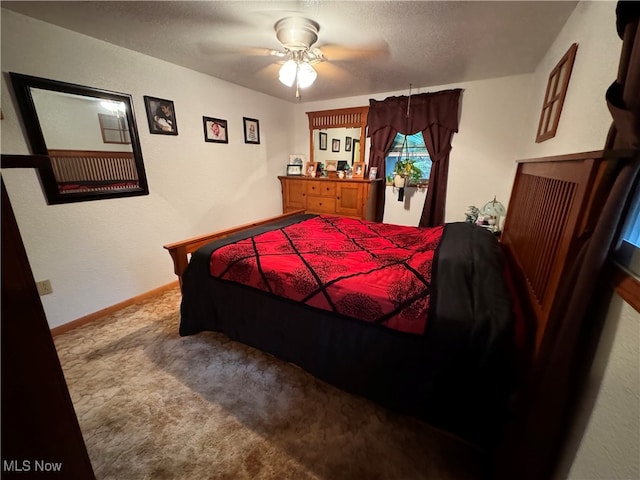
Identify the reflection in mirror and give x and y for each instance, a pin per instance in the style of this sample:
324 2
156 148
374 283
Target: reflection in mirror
89 135
355 151
346 137
344 125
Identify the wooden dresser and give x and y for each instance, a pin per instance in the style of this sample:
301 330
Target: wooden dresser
345 197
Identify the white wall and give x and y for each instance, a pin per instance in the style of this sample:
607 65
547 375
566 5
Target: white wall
102 252
609 415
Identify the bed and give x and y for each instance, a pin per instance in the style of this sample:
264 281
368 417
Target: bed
488 304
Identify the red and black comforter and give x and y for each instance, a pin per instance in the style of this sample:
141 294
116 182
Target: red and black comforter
419 320
374 272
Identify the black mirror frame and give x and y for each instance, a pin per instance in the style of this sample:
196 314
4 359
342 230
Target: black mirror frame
21 87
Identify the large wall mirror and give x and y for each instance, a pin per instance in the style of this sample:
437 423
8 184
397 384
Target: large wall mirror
338 134
89 135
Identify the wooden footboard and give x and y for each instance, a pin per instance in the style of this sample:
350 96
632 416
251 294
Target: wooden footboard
181 250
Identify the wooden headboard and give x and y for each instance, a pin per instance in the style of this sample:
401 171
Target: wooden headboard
554 207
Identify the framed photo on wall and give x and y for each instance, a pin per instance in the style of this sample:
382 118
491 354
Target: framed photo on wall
215 130
323 141
347 144
251 130
161 116
335 145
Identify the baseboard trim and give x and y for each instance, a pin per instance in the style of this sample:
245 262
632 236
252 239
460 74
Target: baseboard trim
113 308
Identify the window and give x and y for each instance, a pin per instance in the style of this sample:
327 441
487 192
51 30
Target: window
414 149
628 248
114 129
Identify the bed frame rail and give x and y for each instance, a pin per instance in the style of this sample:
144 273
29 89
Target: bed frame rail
181 250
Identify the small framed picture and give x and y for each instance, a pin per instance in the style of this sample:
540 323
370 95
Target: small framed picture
323 141
373 173
251 130
161 116
331 165
347 144
358 169
335 145
310 169
215 130
297 159
294 170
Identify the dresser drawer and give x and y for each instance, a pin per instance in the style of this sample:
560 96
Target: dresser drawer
323 188
321 204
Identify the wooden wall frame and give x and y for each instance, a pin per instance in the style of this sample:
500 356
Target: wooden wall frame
555 95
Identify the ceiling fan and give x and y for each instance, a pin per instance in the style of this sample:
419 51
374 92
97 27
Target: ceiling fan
297 35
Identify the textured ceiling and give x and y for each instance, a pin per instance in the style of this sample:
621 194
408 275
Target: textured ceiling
371 47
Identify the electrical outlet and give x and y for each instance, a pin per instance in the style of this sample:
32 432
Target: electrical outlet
44 287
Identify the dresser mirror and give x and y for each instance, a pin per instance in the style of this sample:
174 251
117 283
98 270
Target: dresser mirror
89 136
338 134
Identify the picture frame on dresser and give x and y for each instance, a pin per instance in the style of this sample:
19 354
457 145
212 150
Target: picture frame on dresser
310 169
331 165
297 159
294 170
358 169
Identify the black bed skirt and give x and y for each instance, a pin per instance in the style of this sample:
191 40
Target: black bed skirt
425 376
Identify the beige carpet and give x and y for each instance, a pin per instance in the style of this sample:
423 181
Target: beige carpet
153 405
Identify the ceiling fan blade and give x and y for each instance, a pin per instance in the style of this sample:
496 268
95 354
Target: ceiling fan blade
268 73
328 71
225 49
373 51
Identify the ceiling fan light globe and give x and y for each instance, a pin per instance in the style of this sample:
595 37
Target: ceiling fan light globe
306 75
288 72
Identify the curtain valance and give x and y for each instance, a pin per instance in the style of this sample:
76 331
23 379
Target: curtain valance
426 109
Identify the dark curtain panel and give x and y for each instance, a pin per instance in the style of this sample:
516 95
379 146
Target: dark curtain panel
623 96
437 139
381 142
436 116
